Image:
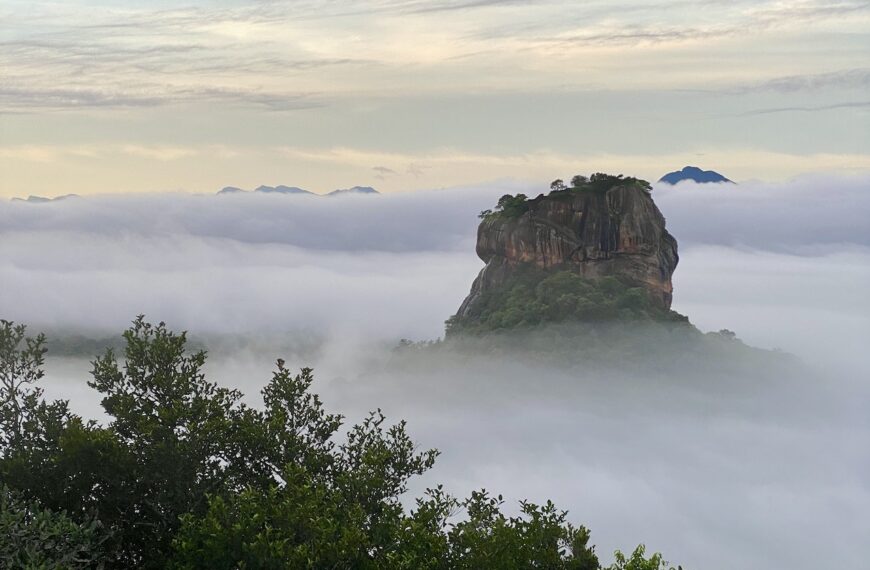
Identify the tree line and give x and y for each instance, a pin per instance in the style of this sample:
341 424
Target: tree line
184 475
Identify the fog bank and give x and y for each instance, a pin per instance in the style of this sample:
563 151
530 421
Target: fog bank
719 465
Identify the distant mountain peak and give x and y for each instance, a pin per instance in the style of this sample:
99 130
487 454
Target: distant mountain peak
354 190
42 199
281 189
694 174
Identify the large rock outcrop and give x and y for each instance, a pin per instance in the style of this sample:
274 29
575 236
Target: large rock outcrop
614 233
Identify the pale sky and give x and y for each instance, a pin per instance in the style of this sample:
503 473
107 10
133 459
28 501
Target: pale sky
142 96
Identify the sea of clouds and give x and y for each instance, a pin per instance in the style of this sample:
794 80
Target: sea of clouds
750 473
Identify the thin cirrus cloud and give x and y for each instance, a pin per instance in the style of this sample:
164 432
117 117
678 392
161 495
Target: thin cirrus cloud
419 80
135 47
150 95
831 107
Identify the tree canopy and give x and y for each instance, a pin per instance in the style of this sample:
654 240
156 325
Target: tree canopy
186 476
510 206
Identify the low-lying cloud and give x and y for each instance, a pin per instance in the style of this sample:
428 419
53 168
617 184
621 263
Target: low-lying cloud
762 469
398 265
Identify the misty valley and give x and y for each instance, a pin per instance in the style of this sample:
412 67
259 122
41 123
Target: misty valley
587 405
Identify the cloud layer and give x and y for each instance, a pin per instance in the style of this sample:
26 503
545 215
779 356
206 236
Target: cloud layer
718 468
250 262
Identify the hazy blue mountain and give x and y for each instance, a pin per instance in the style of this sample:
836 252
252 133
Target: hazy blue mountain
695 174
354 190
42 199
281 189
230 190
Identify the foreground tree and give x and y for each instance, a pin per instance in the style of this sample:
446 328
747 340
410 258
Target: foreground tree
178 436
34 537
23 413
185 476
638 561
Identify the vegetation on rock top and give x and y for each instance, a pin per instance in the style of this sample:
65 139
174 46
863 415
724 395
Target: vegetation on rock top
510 206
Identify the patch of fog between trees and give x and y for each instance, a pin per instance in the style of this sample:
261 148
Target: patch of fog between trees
750 467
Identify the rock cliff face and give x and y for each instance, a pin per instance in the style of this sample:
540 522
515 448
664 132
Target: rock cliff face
618 233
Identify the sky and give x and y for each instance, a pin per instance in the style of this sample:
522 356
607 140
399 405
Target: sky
154 96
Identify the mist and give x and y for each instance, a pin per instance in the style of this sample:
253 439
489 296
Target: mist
748 464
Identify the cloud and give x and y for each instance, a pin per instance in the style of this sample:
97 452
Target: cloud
20 99
67 57
140 57
247 262
150 95
162 153
382 172
846 79
416 170
158 153
719 468
255 261
809 109
736 20
428 6
804 215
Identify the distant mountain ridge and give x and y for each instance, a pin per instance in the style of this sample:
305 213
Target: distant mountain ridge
354 190
281 189
694 174
263 189
42 199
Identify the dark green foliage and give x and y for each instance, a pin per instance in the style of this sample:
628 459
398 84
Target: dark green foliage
33 433
176 435
540 538
34 537
512 206
21 408
557 185
578 180
601 182
306 525
638 561
535 296
509 206
184 476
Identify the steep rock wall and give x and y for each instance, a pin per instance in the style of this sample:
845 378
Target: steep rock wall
619 233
